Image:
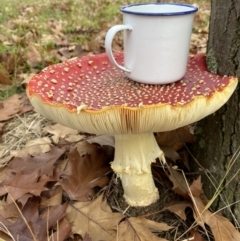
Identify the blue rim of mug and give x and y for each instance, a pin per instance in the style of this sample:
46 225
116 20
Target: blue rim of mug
194 9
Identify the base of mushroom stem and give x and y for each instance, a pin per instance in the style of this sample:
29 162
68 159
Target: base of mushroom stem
132 163
133 185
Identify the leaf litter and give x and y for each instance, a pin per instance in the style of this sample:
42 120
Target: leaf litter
73 176
86 168
56 186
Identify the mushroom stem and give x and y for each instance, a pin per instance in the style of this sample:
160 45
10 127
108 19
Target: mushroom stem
134 154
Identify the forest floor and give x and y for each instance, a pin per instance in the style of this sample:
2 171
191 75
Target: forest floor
45 194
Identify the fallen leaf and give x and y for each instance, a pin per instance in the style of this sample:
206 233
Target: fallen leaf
3 173
87 237
170 153
16 39
7 64
185 158
4 236
55 26
24 199
22 184
26 77
53 200
175 138
34 147
85 170
4 160
196 236
4 78
33 56
139 229
15 104
103 140
1 129
196 187
63 230
66 133
38 146
73 138
221 227
69 52
2 152
38 225
43 162
8 211
180 185
95 218
178 208
3 38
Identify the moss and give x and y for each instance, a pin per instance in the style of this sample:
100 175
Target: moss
211 61
202 143
197 130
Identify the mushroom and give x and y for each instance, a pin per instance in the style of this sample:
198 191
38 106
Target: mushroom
90 95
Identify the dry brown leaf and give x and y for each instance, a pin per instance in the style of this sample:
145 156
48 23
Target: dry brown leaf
26 77
38 146
221 227
170 153
16 39
95 217
34 147
63 230
33 56
4 78
7 65
87 237
39 225
73 138
16 104
20 22
8 61
44 162
180 185
8 211
22 184
2 152
2 124
196 236
3 38
69 52
85 170
103 140
179 208
175 138
139 229
66 133
54 200
196 187
56 27
24 199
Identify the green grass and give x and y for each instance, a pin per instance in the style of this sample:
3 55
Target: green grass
14 89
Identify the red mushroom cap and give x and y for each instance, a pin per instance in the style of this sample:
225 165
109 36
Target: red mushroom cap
89 94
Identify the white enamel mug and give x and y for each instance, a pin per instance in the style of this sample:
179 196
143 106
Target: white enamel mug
156 41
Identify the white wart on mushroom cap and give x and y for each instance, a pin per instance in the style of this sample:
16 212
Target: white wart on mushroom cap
110 103
91 95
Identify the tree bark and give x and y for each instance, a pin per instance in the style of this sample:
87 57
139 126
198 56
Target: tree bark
218 136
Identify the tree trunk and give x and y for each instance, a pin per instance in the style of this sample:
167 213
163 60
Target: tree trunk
218 136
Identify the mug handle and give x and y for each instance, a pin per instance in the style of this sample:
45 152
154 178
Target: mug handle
108 44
